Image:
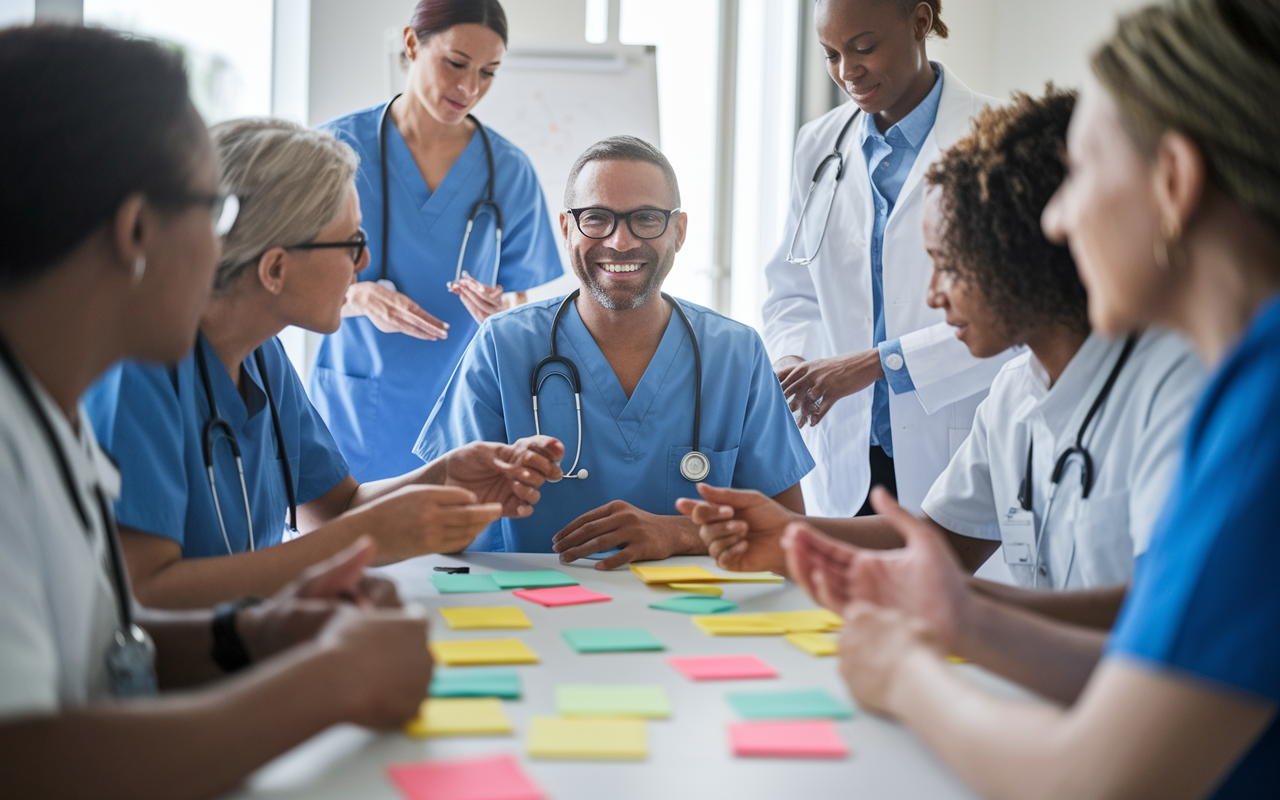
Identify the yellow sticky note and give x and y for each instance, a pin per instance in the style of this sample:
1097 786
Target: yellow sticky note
464 618
815 644
483 651
698 588
958 659
671 574
748 577
738 625
812 621
587 739
459 716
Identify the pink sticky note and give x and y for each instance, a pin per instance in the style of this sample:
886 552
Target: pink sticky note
562 596
787 740
487 778
722 668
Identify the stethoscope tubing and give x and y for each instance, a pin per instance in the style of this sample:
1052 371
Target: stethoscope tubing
813 185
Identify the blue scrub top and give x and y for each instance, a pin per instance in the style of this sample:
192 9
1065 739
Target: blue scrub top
631 448
372 388
151 418
1205 603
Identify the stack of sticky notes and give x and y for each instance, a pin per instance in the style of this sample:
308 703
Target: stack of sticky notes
787 740
695 604
448 583
472 617
532 579
612 700
561 596
483 651
476 682
607 640
801 704
815 644
686 575
459 716
465 779
773 623
722 668
604 738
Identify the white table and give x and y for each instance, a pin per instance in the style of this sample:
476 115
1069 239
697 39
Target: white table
689 755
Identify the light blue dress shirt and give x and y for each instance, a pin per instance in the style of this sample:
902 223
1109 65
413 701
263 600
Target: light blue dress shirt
631 447
373 388
151 420
890 157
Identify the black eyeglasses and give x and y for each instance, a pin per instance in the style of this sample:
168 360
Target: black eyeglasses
644 223
355 246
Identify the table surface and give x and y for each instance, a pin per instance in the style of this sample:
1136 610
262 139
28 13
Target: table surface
689 754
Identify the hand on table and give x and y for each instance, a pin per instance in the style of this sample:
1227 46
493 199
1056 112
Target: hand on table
392 312
875 643
741 529
813 387
509 474
641 535
481 301
416 520
922 579
381 665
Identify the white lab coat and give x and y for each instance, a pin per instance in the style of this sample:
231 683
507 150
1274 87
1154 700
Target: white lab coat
825 309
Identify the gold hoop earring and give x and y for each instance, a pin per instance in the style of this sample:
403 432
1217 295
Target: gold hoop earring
139 269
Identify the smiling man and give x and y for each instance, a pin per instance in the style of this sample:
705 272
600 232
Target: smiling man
637 378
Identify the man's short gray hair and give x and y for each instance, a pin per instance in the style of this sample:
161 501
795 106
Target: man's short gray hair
622 148
291 180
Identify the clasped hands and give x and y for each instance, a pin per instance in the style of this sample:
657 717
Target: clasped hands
813 387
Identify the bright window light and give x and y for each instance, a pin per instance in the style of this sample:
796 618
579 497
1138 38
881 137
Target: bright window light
597 21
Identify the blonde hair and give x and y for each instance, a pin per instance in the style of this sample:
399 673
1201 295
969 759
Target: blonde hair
1207 69
291 181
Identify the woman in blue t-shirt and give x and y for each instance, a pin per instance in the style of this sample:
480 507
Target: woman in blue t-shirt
1172 211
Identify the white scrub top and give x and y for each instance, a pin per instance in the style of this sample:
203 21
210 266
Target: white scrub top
1134 441
58 610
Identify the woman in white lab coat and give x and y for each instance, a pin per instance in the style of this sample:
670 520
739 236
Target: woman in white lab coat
846 320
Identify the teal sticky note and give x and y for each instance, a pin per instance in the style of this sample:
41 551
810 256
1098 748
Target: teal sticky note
695 604
612 700
452 584
803 704
476 682
533 579
604 640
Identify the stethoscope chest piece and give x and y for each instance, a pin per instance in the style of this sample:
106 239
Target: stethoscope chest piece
695 466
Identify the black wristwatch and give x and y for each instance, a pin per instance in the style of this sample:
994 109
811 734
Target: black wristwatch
228 649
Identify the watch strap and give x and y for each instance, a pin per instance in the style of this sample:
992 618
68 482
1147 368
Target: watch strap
228 650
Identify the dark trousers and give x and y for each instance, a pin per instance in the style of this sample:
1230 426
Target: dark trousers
881 475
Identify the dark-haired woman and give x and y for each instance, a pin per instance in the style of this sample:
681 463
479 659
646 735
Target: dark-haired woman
403 333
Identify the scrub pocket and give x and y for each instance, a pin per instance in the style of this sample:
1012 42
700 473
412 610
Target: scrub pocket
1104 548
349 406
722 464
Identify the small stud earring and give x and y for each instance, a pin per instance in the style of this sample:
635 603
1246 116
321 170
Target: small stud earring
139 269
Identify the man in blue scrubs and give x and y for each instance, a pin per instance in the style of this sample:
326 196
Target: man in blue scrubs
633 355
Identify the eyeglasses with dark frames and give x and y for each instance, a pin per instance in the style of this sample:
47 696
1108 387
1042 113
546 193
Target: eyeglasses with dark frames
644 223
355 246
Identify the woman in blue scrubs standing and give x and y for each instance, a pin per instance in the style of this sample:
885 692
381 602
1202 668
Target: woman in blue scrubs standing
403 333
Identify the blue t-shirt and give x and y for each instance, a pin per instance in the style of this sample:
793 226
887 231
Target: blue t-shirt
151 420
631 446
1205 602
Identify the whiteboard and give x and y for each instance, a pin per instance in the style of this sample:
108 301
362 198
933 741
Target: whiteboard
553 103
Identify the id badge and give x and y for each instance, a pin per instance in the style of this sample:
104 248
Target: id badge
1018 532
131 663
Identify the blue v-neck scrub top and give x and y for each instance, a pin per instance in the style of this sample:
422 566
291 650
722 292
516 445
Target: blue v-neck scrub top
631 448
374 388
151 420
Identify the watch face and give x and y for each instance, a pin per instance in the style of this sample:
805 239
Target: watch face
131 663
695 466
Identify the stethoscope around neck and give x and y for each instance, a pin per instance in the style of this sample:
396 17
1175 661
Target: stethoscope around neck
836 157
216 425
694 466
488 201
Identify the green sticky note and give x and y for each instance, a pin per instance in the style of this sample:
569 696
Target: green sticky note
805 704
583 700
604 640
452 584
473 682
533 579
695 604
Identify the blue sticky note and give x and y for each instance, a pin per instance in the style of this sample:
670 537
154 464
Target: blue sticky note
604 640
474 682
604 554
803 704
453 584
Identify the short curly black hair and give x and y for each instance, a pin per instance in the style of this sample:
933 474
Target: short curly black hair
995 184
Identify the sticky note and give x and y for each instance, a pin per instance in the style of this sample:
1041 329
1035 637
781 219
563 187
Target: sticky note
561 596
603 640
465 618
454 584
459 716
587 738
738 625
608 700
532 579
476 682
485 778
695 605
815 644
813 620
671 574
722 668
483 651
787 740
789 705
604 553
748 577
697 588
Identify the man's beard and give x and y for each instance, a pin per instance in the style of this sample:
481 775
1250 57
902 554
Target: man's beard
624 298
